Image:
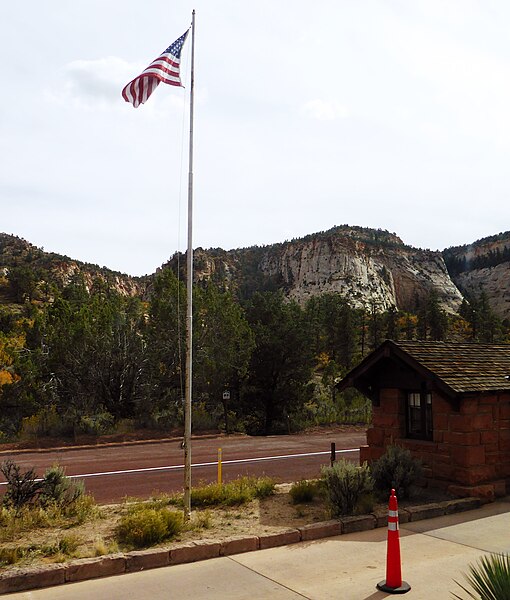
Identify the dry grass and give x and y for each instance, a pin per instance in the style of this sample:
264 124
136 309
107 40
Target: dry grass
44 540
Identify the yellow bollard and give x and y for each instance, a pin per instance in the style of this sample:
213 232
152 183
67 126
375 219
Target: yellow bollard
219 466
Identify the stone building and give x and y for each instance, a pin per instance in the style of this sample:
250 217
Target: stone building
448 403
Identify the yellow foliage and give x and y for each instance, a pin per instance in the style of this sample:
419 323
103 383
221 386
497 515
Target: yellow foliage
9 345
6 377
407 320
460 328
323 360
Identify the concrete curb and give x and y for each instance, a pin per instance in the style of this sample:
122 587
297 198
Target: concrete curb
28 578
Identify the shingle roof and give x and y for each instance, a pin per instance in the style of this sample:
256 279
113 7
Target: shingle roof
455 368
463 367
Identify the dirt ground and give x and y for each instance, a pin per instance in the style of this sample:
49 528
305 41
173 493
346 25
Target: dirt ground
269 515
97 537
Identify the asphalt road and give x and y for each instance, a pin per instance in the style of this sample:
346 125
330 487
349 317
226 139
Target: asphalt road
109 480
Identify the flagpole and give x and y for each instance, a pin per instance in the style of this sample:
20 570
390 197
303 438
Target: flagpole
189 289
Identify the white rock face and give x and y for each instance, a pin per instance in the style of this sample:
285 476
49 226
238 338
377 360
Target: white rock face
367 275
495 281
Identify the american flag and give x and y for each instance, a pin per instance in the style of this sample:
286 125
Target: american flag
165 68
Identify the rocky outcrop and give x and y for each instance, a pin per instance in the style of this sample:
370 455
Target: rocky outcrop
67 271
494 281
370 268
367 274
484 266
60 271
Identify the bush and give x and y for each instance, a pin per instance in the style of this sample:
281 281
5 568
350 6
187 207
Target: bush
396 469
262 487
45 421
349 488
58 488
144 527
22 488
490 578
84 508
97 424
303 491
10 556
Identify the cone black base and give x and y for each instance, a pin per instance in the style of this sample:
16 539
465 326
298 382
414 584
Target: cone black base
403 589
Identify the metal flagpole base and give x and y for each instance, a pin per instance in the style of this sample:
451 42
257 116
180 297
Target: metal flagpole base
403 589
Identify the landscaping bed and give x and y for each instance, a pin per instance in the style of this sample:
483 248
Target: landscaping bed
62 553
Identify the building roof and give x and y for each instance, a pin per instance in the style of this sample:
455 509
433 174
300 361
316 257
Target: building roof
458 368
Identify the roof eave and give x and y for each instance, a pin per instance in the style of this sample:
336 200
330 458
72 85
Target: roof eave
388 349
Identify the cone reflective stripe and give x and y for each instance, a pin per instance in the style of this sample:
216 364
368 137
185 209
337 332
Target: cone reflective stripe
393 583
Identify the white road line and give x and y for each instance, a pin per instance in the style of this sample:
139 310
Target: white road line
206 464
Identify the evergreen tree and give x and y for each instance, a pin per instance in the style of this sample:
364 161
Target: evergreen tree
223 343
165 338
432 320
281 363
391 319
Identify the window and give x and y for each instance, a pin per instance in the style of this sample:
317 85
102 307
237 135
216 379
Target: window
419 415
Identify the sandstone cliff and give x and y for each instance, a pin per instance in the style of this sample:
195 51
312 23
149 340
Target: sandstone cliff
56 270
484 266
371 268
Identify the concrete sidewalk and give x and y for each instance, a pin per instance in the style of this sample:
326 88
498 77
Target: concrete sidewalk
435 552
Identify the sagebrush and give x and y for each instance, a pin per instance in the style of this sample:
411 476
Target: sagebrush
398 470
303 491
348 487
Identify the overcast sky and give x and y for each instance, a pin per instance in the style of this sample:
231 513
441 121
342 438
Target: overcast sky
392 114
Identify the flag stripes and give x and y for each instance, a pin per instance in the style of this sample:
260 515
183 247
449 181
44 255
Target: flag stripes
165 68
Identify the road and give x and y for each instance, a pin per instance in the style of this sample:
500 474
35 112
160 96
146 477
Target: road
116 471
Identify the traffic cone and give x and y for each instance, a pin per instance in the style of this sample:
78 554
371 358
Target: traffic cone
393 583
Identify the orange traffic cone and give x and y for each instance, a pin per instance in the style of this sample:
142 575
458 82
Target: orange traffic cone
393 583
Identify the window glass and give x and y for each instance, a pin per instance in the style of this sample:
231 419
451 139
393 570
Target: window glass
419 415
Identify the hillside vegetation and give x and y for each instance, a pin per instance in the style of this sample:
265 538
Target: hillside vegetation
87 350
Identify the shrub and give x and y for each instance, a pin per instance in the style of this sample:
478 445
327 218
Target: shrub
46 421
10 556
201 520
101 547
22 488
263 487
349 488
99 423
396 469
68 544
58 488
489 578
25 489
143 527
303 491
82 509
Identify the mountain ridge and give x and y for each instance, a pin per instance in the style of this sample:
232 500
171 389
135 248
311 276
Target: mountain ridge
372 268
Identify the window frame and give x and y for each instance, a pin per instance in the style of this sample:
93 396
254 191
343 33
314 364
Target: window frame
418 409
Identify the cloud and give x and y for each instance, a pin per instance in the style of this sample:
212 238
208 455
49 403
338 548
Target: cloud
324 110
91 84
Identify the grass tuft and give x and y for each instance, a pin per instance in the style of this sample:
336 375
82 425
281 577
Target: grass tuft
303 491
143 526
236 492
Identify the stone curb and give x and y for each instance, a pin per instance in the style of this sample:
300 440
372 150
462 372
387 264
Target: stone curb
28 578
105 445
